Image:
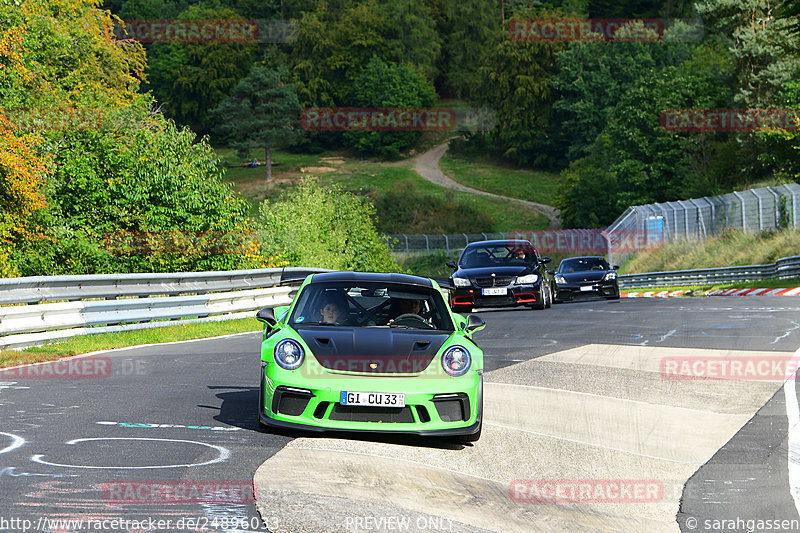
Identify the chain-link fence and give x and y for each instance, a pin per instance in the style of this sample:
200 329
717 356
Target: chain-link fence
752 211
641 227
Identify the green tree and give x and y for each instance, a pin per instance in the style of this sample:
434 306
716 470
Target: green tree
759 43
191 79
382 85
516 82
314 226
262 110
474 28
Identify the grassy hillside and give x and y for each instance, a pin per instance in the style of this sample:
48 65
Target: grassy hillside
405 202
486 174
731 248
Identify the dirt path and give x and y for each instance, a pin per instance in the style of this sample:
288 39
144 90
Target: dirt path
427 166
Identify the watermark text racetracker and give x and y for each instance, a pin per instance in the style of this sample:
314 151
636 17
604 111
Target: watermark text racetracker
342 119
187 523
756 368
91 367
586 491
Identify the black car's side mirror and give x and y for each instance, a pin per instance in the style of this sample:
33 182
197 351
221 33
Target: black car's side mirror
615 267
546 259
474 323
452 264
267 316
551 272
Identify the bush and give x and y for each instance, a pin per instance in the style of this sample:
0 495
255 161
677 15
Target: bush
317 227
146 198
406 209
382 85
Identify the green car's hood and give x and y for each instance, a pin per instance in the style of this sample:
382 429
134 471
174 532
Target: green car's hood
378 350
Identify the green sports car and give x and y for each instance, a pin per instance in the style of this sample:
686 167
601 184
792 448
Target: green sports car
371 352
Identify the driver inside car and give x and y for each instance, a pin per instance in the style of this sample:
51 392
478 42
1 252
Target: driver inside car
406 307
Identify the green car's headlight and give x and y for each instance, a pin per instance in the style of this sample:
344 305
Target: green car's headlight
530 278
289 354
456 361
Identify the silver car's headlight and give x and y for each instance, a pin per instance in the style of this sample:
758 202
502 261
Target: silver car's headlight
289 354
461 282
561 280
530 278
456 361
611 275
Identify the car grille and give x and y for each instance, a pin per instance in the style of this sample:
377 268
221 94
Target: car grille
371 414
493 282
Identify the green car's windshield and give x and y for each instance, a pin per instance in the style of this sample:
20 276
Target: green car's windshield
365 304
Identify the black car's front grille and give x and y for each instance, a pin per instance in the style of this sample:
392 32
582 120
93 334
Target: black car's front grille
371 414
493 282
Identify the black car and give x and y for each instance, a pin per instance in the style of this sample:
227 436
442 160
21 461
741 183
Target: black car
501 273
586 276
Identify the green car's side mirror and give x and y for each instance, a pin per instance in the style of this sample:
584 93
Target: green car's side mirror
474 323
267 316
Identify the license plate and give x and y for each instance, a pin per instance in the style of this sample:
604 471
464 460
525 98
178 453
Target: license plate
587 288
497 291
373 399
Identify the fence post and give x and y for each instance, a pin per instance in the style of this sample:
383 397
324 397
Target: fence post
713 214
466 239
485 238
794 206
427 243
406 236
777 208
744 208
446 243
760 211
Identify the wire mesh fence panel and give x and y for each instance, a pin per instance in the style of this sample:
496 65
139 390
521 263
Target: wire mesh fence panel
641 227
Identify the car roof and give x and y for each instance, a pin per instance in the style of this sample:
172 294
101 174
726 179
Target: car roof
584 257
502 242
374 277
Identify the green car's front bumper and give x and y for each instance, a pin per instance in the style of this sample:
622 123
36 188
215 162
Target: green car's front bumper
434 405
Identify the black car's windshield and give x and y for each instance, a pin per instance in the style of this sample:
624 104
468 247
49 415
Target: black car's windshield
582 265
497 255
371 304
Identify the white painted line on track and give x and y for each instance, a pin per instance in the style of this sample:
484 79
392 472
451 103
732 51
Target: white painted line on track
793 418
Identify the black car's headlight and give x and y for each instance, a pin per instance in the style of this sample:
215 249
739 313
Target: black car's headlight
561 280
456 361
610 276
461 282
530 278
289 354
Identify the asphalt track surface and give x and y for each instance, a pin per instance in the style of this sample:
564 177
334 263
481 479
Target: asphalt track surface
574 393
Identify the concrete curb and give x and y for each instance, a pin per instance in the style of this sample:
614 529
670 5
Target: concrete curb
795 291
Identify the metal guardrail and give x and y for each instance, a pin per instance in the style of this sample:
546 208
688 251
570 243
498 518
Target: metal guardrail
78 305
785 268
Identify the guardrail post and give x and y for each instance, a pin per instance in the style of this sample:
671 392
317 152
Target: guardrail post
485 238
446 243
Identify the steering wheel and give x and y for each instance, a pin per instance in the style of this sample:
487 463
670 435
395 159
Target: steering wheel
412 316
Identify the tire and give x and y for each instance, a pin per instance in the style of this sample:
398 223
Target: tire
540 303
548 303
